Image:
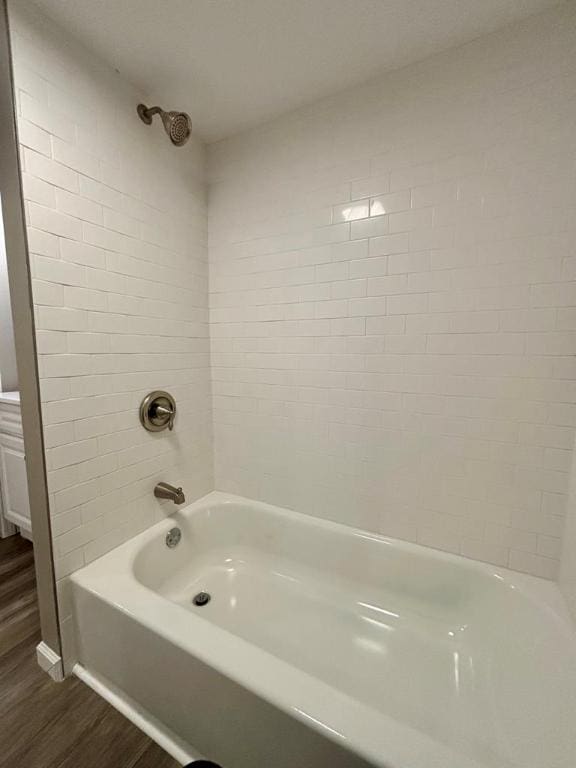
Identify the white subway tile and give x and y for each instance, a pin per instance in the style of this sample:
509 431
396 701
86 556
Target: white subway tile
382 326
107 239
409 220
545 567
374 227
409 304
336 308
399 263
50 171
38 191
434 194
85 298
550 343
119 222
80 253
349 251
388 244
35 138
370 187
72 156
368 306
88 343
369 267
79 207
388 204
47 294
414 176
42 243
357 209
51 342
54 222
56 271
100 193
49 120
73 453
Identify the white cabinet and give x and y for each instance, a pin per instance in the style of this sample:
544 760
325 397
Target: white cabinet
13 481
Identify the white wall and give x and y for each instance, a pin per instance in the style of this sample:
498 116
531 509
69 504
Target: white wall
411 372
117 235
8 370
567 575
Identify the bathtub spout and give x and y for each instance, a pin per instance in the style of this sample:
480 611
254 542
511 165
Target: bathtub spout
166 491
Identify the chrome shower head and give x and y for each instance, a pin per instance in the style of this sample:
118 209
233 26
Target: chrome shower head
177 125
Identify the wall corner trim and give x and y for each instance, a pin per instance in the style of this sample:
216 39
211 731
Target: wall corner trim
50 662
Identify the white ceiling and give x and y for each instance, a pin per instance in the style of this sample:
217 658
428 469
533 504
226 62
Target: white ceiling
235 63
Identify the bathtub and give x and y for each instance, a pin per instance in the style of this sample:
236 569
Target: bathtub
323 646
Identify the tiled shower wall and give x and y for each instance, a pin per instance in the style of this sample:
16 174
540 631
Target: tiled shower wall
567 574
117 235
393 305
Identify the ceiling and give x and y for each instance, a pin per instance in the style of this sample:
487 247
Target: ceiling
235 63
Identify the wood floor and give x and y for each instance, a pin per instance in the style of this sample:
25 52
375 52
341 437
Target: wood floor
45 724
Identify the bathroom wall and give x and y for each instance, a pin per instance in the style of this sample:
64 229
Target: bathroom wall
567 574
117 235
393 305
8 370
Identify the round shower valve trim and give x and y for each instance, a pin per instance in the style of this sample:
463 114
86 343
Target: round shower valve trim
158 411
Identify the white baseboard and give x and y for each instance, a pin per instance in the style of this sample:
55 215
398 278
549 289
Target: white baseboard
182 752
50 662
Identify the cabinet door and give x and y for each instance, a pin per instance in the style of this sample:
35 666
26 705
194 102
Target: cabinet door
14 481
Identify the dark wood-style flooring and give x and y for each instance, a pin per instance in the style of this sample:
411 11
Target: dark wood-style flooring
45 724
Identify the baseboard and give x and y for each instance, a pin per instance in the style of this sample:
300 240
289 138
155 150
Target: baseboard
141 718
26 533
50 662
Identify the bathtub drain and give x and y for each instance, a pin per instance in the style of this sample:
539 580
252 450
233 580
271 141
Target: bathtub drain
202 598
173 537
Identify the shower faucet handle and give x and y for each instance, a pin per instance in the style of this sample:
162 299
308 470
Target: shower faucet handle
158 411
162 413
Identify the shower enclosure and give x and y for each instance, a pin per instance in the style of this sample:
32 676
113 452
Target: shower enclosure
313 345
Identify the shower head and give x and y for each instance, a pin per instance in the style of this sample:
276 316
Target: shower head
177 125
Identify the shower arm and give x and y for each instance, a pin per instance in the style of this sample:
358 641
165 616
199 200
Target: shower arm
147 113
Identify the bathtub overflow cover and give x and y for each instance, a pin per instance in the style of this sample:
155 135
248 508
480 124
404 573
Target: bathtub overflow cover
202 598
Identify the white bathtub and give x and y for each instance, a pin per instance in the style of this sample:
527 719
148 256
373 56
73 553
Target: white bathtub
325 647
